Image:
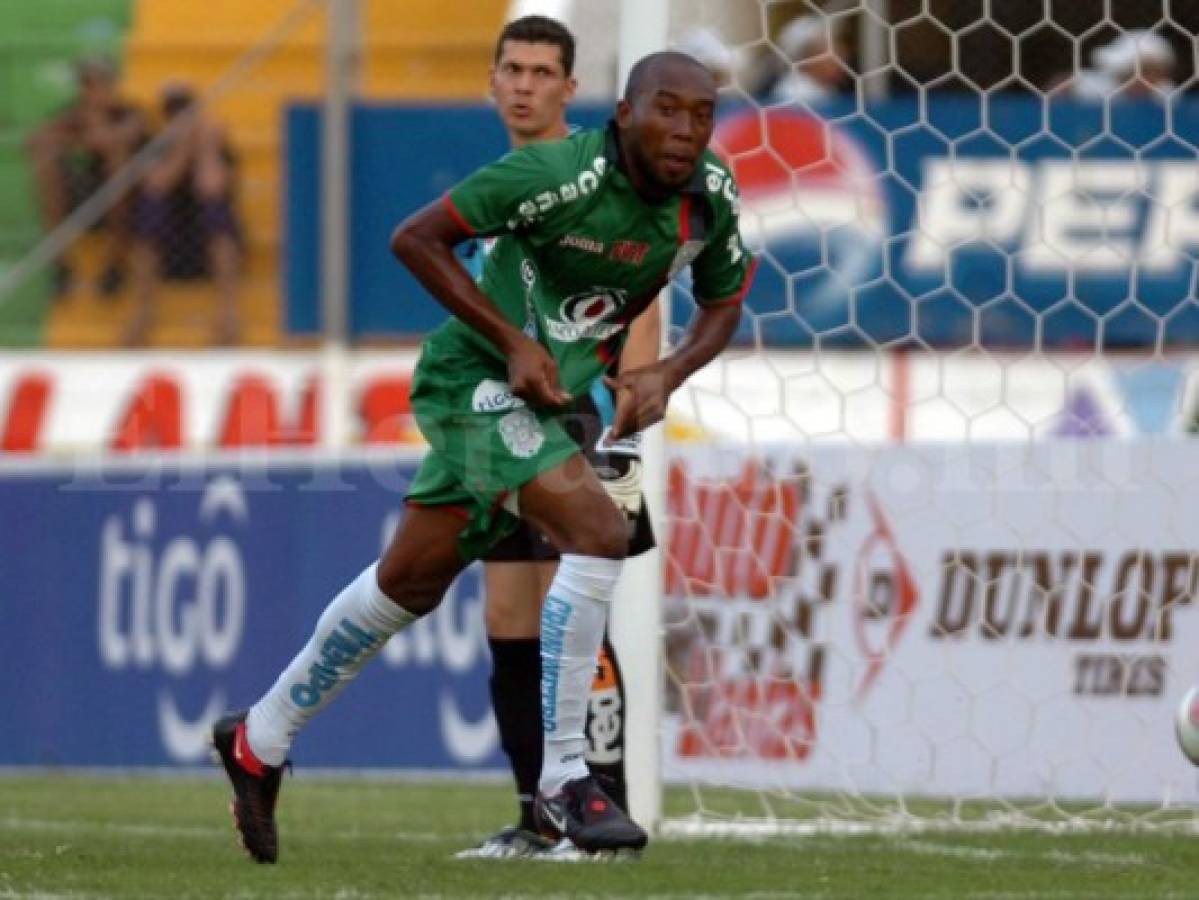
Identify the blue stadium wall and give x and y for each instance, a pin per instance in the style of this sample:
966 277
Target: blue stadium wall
141 601
1104 280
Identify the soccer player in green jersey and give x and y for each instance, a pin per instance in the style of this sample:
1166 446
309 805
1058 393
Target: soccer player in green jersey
590 230
532 84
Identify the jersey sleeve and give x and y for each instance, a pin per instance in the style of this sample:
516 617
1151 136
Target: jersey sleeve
724 270
511 194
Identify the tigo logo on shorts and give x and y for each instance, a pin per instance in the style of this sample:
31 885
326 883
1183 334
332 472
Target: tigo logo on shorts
494 396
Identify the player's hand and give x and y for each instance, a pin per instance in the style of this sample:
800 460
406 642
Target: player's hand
641 399
533 375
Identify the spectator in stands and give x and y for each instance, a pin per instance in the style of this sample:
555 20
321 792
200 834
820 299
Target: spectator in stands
815 47
1137 64
76 152
184 221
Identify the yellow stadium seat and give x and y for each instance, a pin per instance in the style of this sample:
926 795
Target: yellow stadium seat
428 49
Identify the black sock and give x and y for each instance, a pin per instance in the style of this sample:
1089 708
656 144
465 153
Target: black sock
516 700
605 724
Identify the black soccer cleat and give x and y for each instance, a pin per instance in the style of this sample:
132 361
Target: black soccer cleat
588 817
255 788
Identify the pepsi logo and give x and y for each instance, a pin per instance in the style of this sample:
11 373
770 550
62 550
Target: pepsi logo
799 174
811 198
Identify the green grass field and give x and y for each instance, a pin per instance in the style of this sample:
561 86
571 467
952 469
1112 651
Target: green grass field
149 837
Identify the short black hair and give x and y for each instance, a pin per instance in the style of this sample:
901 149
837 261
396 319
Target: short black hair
648 65
539 30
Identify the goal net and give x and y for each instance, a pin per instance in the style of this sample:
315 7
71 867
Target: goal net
930 555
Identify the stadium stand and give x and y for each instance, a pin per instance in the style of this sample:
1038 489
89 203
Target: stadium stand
39 43
417 50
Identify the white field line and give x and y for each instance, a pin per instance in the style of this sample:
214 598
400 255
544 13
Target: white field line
199 832
205 773
352 894
1095 858
953 851
1098 858
766 829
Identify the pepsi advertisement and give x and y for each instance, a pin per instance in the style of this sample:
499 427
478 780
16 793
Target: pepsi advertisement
941 220
140 603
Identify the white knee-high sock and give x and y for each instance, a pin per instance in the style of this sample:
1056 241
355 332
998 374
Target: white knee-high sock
572 629
348 634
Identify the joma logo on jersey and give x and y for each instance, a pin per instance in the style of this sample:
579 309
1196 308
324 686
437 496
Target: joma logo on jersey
578 242
631 252
581 316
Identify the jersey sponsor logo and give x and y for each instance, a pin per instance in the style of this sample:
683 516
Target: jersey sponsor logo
521 433
534 209
581 316
494 396
586 244
631 252
568 333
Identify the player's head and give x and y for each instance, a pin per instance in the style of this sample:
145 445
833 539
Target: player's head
532 78
666 118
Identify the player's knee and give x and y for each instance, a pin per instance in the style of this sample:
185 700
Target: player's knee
604 535
494 619
413 590
503 613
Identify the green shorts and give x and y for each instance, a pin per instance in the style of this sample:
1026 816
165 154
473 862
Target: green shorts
484 443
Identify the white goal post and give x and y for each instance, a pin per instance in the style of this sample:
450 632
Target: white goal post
928 555
636 626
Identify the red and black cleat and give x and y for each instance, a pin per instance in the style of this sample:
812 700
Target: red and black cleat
255 788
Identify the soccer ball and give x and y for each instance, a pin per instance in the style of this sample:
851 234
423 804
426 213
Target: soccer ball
1186 725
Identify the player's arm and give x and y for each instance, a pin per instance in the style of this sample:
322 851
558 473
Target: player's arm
723 273
644 343
425 243
643 394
